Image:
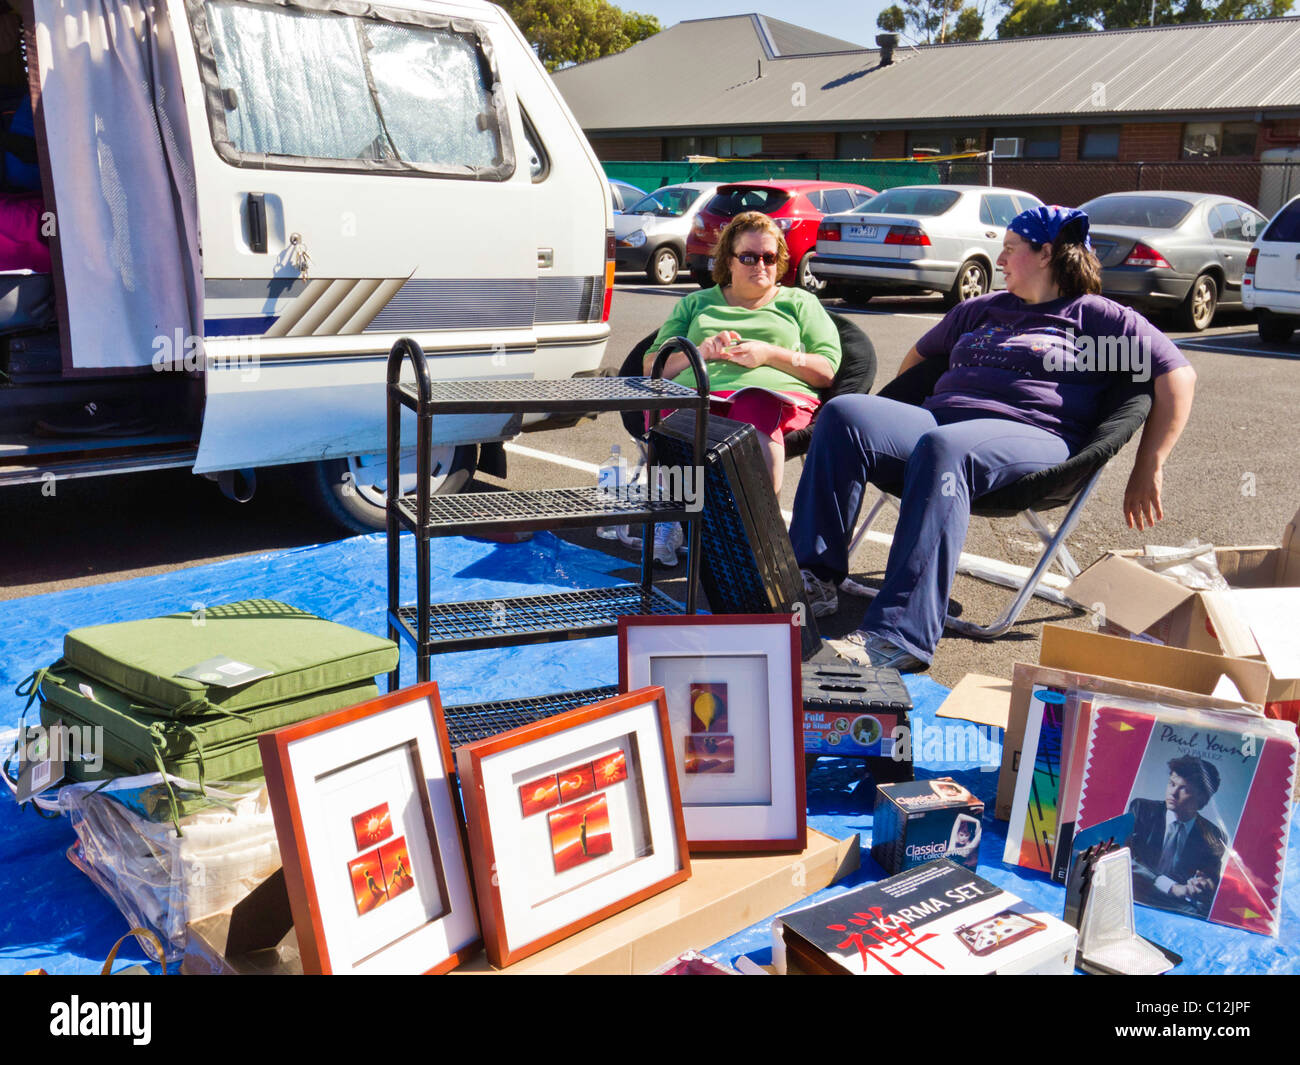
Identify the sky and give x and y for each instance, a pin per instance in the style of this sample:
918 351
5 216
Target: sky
850 20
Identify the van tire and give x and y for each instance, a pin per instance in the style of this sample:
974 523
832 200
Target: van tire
333 486
663 265
703 278
1276 328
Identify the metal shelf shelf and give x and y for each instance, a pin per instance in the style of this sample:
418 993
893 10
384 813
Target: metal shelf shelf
576 615
531 396
477 721
452 515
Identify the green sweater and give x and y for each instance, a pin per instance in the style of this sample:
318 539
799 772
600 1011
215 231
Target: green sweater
794 320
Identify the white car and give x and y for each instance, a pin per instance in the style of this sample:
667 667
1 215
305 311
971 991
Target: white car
1271 284
920 238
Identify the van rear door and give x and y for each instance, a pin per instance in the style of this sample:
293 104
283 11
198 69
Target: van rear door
345 169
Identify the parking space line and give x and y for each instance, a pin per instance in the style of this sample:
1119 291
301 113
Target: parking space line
1249 352
966 561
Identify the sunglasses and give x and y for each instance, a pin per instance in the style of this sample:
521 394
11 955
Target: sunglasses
749 258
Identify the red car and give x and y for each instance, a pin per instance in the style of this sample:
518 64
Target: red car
796 206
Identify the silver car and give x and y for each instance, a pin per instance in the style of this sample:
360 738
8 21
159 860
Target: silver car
650 235
920 238
1183 252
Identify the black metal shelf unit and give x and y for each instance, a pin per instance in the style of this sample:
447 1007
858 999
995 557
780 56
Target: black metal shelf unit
441 627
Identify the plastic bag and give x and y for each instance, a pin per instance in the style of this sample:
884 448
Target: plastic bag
1192 565
161 880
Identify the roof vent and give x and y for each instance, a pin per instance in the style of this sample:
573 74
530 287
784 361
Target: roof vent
886 42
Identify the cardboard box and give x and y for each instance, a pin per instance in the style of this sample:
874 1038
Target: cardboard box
1116 666
1134 600
938 918
725 894
922 820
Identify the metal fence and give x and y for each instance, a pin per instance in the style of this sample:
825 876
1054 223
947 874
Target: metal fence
1263 185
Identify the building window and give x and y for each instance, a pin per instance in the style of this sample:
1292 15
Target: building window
944 142
1219 140
724 147
1099 142
1041 142
855 145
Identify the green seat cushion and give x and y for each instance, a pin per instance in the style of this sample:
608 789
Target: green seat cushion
304 653
133 737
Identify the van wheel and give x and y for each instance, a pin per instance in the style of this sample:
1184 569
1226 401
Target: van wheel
972 280
663 266
1276 328
1197 311
703 278
353 493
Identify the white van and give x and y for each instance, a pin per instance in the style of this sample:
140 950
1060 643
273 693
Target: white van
1271 284
248 201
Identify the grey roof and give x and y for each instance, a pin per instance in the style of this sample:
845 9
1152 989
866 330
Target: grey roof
723 73
787 39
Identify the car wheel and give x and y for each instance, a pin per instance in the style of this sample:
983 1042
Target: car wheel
663 266
703 278
808 281
353 493
1276 328
972 280
1197 311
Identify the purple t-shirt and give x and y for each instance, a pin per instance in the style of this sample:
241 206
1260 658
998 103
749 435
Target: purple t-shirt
1046 364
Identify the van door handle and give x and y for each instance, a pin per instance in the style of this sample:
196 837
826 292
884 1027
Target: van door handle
257 222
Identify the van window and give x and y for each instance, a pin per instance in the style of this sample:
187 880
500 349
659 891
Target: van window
539 163
328 90
1286 225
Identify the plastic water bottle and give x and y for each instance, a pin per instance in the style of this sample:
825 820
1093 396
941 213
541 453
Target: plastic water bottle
610 480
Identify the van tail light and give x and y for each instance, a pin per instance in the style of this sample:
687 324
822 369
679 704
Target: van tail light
828 231
1145 255
911 235
1248 274
609 275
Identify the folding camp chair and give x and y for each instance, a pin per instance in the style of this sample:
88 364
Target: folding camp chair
1124 408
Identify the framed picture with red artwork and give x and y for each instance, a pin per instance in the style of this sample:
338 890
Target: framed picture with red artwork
734 690
373 856
571 819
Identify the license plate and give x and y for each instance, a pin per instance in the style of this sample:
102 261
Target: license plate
710 267
857 232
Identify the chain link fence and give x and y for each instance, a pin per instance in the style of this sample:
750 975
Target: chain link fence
1264 185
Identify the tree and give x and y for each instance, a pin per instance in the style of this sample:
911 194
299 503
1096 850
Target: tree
574 31
932 21
1028 18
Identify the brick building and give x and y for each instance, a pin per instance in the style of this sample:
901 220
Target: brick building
748 86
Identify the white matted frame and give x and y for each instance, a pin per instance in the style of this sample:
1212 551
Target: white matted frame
751 797
548 865
373 856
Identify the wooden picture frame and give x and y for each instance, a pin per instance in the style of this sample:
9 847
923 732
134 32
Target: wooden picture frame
570 820
740 759
374 862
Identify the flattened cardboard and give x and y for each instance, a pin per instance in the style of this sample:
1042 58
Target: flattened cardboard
979 698
725 894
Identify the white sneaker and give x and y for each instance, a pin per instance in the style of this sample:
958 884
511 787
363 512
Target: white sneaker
668 538
868 649
821 595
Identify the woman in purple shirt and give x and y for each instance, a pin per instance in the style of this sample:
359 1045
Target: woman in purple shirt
1027 369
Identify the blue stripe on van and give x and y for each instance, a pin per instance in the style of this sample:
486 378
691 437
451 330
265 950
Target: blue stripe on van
237 327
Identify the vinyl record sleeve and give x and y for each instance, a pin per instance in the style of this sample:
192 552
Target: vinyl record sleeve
1157 763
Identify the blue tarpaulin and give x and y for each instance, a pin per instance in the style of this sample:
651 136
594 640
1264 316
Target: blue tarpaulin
52 917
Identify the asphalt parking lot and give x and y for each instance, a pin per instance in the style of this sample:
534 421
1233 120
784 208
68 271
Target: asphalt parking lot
1234 479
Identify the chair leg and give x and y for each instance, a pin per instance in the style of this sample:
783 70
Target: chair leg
865 524
1053 547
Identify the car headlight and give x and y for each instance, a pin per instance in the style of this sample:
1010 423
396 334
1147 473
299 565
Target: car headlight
634 239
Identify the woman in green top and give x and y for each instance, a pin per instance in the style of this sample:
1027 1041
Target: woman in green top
768 348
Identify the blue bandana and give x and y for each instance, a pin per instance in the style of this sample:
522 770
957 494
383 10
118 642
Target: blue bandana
1042 225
